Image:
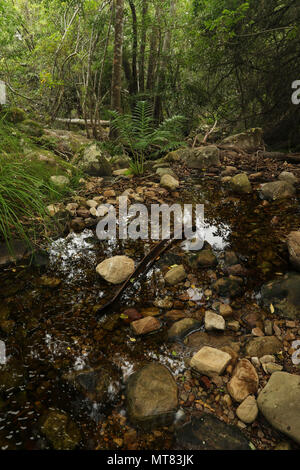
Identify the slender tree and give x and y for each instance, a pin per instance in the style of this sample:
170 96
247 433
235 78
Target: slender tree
117 60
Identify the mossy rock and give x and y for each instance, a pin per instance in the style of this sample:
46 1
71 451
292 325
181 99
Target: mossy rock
14 115
31 128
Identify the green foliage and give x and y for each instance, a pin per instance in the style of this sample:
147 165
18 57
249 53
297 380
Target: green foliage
138 133
23 195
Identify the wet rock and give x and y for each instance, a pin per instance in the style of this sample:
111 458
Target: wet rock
210 361
249 141
150 312
293 243
279 403
262 346
11 376
99 384
257 332
213 321
225 310
59 180
169 182
206 259
183 327
199 339
277 190
47 281
226 286
283 446
166 302
175 275
116 269
237 270
288 177
248 410
60 430
244 381
78 224
233 325
145 325
130 314
93 161
267 359
230 258
202 158
284 295
19 251
270 367
152 395
207 432
175 315
240 184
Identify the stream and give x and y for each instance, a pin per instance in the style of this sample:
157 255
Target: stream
53 332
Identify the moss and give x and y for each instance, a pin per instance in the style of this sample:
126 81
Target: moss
14 115
31 128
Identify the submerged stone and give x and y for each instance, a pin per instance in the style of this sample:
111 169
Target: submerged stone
284 295
60 430
207 432
152 396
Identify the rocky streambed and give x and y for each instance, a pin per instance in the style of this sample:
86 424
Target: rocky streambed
199 352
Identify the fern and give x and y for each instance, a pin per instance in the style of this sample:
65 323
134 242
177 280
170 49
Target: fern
137 131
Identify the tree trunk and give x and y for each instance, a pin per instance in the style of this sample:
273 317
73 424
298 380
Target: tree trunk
117 61
143 47
133 88
158 113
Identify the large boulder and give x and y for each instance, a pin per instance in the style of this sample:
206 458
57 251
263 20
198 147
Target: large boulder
244 381
116 269
202 158
60 430
93 161
284 295
249 141
279 402
207 432
65 141
152 395
277 190
293 243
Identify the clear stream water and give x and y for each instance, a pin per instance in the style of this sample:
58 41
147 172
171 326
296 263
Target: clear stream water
56 330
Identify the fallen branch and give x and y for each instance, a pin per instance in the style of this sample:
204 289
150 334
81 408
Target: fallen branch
81 121
285 157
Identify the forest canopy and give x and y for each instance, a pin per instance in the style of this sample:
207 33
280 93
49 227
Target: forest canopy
226 60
